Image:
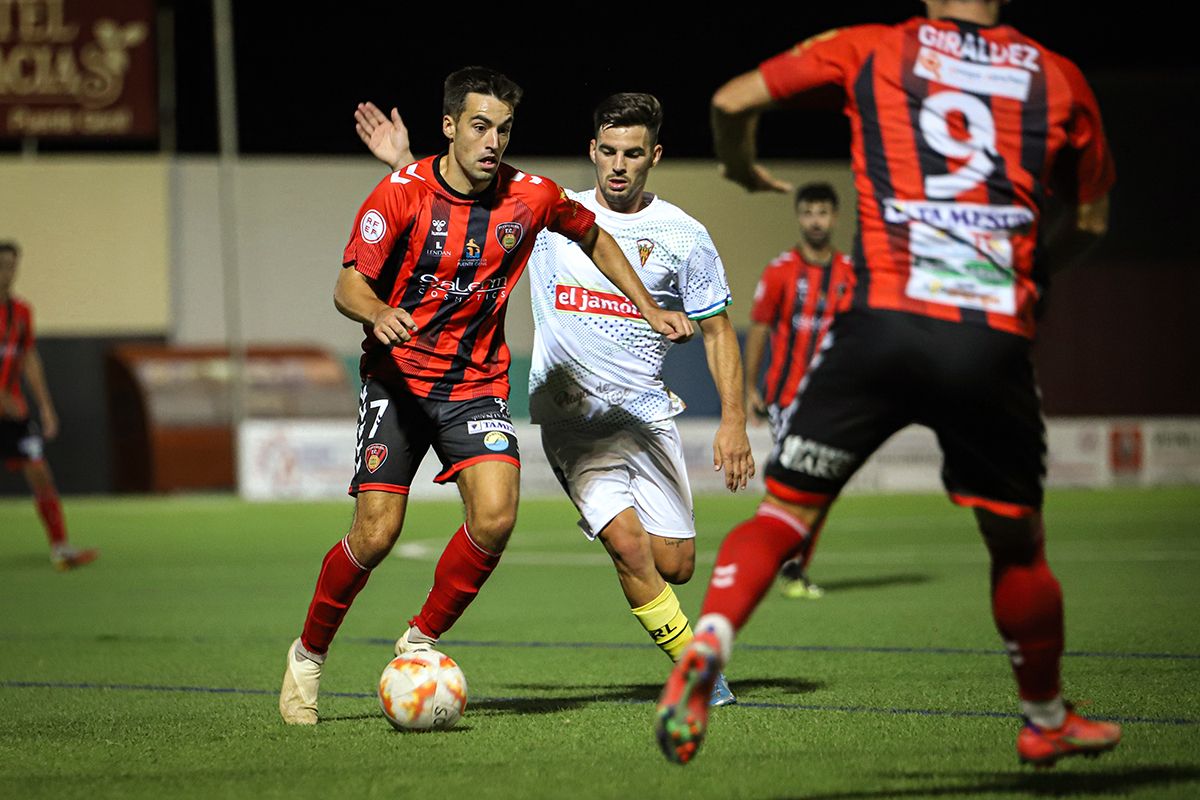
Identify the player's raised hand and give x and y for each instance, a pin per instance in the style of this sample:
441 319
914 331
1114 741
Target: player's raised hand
732 453
757 178
674 325
385 137
393 326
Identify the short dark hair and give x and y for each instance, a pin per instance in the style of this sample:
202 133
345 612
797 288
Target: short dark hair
480 80
10 247
629 108
818 192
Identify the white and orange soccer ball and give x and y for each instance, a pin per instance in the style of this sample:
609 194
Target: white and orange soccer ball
422 691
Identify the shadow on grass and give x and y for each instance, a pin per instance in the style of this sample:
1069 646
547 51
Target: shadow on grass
1113 781
587 694
876 582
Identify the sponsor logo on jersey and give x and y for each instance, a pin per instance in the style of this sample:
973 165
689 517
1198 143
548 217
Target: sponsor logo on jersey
456 288
509 234
485 425
813 458
376 455
645 248
502 404
1011 82
372 227
495 440
947 215
439 227
589 301
473 250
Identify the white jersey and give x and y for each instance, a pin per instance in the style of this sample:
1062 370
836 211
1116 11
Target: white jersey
596 361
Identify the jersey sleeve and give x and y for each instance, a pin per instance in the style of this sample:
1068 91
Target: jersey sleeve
828 59
703 285
566 216
383 217
766 297
1094 168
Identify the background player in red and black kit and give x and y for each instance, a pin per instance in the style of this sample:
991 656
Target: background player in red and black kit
794 304
960 129
21 435
435 253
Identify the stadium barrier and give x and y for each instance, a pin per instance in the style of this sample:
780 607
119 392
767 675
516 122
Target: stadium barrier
287 459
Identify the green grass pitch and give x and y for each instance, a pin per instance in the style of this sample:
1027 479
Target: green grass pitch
155 671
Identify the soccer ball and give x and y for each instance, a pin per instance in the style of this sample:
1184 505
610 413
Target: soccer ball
422 690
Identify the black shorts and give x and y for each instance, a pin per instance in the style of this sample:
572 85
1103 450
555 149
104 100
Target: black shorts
20 442
879 371
396 429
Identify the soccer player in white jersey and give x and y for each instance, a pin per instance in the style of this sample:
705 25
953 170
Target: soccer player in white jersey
596 384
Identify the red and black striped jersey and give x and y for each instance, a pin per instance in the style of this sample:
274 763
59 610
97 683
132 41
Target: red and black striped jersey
799 300
451 261
16 339
959 132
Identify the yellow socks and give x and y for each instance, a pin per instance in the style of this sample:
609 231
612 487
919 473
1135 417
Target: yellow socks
665 622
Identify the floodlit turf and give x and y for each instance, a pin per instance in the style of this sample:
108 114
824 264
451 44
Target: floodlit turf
155 671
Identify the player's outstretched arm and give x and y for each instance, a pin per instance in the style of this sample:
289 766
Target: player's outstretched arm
385 137
35 376
356 298
607 256
731 447
756 345
736 107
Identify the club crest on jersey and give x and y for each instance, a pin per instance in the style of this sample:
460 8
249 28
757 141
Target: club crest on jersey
376 454
372 227
645 248
509 234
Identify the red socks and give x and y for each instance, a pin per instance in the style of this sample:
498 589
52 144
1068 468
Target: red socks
340 581
461 571
748 560
1028 608
50 510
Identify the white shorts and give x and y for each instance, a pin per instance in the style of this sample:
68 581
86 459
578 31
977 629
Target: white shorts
639 467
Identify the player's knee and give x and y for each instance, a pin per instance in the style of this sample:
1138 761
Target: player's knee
629 547
1011 539
373 534
491 528
678 573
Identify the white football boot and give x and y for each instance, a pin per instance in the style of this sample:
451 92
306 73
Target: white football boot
413 641
301 682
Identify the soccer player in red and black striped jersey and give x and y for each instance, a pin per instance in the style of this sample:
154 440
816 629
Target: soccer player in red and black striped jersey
794 304
434 255
21 436
962 128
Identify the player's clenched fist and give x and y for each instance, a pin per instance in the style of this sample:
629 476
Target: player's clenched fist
393 326
674 325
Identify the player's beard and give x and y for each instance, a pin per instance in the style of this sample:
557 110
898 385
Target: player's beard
816 239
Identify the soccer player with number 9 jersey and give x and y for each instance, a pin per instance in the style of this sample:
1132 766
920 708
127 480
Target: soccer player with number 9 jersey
962 129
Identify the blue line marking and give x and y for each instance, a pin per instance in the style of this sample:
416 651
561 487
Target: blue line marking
799 648
921 712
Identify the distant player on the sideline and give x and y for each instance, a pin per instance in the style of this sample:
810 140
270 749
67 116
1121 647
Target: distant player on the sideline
21 434
434 255
596 382
794 304
961 129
